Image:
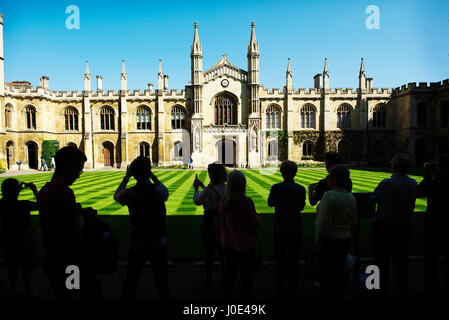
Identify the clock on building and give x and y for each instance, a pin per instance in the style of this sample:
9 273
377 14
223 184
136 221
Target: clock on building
224 83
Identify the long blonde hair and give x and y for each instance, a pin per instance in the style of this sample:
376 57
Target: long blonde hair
235 190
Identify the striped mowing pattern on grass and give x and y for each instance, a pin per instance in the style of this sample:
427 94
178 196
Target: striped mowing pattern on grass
96 188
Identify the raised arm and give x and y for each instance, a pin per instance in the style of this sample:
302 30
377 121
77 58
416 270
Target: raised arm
119 195
160 188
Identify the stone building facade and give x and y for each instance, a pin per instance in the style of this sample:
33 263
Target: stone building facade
224 114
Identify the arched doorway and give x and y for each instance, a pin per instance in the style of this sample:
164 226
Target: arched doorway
32 149
226 151
144 149
9 154
108 154
442 145
307 150
420 152
344 150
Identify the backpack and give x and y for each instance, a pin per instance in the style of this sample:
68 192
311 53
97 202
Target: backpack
147 215
100 245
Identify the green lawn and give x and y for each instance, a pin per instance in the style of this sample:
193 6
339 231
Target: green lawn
96 188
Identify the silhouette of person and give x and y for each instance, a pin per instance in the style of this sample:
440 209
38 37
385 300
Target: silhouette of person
317 190
62 223
435 186
237 225
146 205
289 199
18 236
395 198
335 225
210 198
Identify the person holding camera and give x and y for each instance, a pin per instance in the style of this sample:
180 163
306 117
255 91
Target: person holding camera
317 190
391 233
62 223
147 213
18 236
435 187
210 198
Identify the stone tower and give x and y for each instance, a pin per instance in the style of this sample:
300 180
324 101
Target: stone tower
196 57
254 124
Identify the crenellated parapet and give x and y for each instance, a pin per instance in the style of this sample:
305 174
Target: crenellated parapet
421 86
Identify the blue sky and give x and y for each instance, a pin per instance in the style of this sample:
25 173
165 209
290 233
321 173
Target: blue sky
410 46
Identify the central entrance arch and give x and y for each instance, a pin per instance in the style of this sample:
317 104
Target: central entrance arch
108 154
226 152
32 155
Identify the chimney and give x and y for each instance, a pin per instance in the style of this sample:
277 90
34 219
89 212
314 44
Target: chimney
317 81
369 83
44 82
99 83
165 82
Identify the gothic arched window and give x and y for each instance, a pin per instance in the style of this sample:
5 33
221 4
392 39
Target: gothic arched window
344 117
272 115
272 152
144 149
225 110
71 119
308 117
177 151
30 117
379 116
107 118
307 148
143 115
178 117
8 113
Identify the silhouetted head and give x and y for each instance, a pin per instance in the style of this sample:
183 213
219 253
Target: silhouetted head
339 177
10 189
288 169
442 164
141 168
331 159
400 163
217 173
236 184
69 164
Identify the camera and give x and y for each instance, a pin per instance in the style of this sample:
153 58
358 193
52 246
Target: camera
23 185
430 166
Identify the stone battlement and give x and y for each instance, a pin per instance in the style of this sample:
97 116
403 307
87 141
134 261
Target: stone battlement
412 86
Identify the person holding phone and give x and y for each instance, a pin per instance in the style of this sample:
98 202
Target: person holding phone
18 236
210 198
